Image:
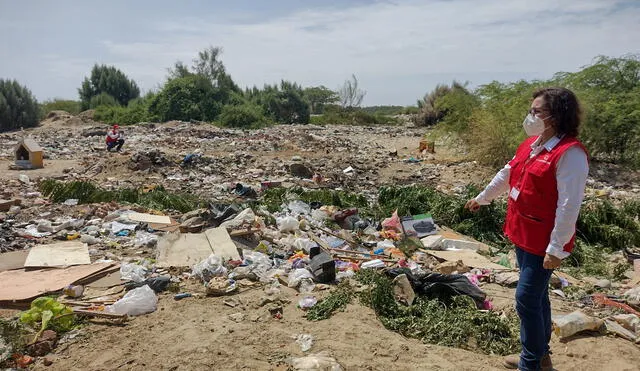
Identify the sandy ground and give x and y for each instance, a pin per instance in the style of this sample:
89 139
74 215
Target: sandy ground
197 334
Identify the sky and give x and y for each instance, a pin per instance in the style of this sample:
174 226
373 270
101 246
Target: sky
399 50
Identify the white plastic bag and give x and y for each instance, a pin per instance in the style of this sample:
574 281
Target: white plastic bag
259 263
297 275
574 323
303 244
245 218
633 294
305 341
135 302
209 268
132 272
145 239
288 224
318 361
298 207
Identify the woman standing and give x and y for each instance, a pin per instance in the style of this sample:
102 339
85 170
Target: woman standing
546 180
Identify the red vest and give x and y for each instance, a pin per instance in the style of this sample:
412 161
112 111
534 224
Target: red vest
531 217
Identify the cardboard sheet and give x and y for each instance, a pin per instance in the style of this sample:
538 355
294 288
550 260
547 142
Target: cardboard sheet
453 235
470 258
13 260
149 218
221 243
187 249
183 249
22 284
58 255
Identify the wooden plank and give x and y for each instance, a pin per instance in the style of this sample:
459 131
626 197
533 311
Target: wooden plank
222 244
183 249
149 218
58 255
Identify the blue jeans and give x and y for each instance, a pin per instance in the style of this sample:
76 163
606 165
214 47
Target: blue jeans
534 309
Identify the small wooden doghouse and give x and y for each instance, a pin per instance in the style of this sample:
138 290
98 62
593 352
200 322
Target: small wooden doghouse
29 154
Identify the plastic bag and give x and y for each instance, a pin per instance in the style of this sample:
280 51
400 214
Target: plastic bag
307 302
145 239
297 275
138 301
305 341
633 294
209 268
132 272
259 263
393 222
574 323
88 239
298 207
246 218
318 361
303 244
288 224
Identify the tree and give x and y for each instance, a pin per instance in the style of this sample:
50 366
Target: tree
318 97
609 90
429 114
109 80
18 107
188 98
102 99
247 115
283 104
350 95
208 65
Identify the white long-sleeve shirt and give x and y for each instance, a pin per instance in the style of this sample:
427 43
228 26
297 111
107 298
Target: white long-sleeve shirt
571 174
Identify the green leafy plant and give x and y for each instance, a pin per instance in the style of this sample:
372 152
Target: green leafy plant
337 300
460 325
45 313
86 192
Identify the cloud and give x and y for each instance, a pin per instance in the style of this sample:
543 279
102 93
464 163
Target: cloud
399 50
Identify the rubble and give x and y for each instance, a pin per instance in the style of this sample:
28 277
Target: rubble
232 243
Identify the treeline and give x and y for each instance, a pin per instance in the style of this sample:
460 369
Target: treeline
203 91
488 118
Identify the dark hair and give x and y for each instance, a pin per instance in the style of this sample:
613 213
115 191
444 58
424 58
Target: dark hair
564 108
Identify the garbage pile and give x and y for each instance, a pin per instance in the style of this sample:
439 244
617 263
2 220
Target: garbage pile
113 260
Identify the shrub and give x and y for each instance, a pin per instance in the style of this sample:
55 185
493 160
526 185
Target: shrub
335 115
18 107
246 115
102 99
192 97
284 104
108 80
429 113
136 111
72 106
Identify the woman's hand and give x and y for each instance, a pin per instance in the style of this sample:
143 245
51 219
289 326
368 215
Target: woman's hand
472 205
551 262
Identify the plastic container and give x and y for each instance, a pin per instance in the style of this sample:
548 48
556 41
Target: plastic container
73 291
574 323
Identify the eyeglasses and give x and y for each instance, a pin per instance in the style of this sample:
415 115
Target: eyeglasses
535 111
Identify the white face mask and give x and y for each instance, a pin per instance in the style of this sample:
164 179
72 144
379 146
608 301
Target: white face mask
533 125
